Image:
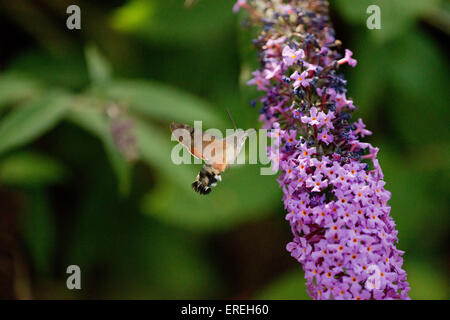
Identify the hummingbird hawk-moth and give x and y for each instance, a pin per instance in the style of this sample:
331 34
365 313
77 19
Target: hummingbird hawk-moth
218 153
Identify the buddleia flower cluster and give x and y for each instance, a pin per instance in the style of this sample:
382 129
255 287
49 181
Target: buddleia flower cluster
333 186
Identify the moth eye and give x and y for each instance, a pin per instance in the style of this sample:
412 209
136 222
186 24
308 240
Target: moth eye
181 139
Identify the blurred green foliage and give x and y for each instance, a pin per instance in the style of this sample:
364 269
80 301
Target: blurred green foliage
135 228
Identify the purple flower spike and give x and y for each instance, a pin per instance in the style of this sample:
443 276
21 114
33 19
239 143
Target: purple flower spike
334 193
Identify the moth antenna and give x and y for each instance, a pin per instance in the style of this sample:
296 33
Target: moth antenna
229 114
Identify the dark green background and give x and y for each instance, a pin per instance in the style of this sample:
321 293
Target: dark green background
138 231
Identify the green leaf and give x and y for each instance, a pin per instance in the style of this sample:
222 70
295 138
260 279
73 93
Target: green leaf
410 89
370 79
196 278
420 82
38 228
132 15
99 69
290 286
427 279
96 123
96 225
169 21
67 71
20 126
243 195
163 102
155 150
397 16
182 269
16 87
413 207
352 11
30 169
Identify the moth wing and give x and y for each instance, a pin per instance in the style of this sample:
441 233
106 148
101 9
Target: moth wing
182 133
234 144
215 153
187 135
